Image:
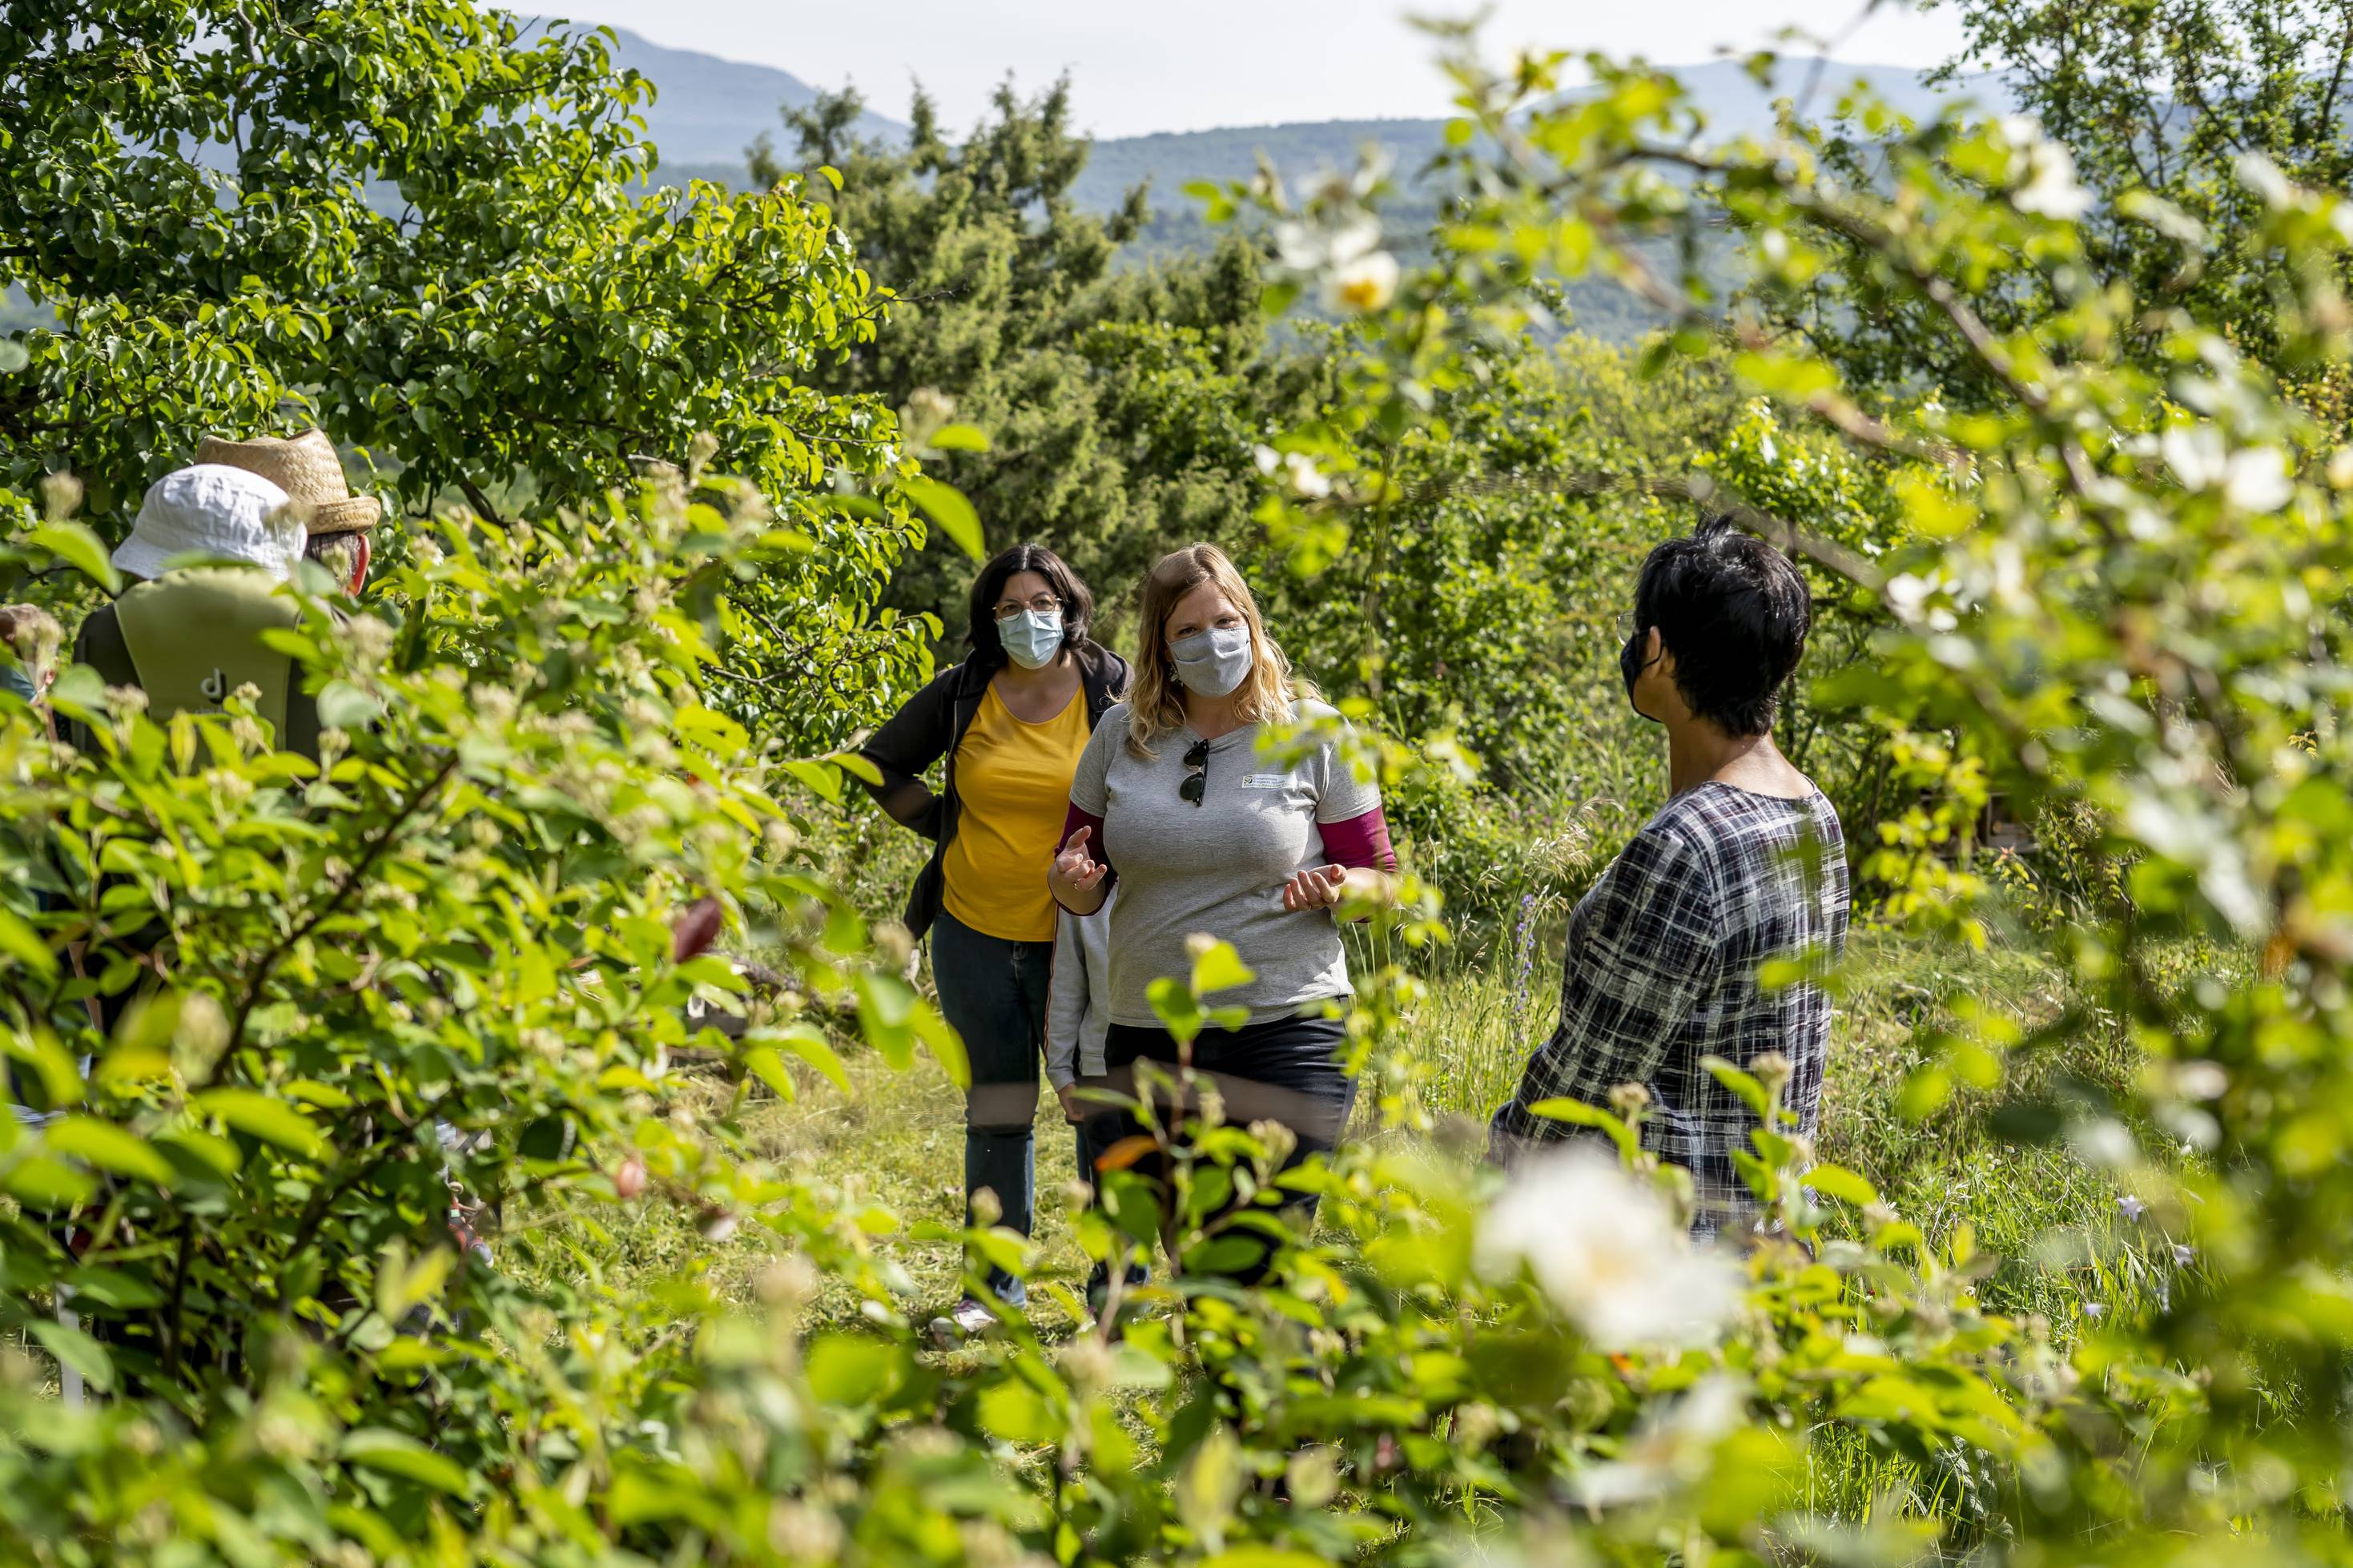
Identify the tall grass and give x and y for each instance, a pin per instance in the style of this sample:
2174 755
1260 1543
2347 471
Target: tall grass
2048 1216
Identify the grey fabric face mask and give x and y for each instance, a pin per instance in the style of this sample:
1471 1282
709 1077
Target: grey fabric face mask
1214 662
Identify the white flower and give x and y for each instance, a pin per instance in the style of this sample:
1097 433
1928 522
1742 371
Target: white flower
1908 595
1267 458
2262 176
1307 478
2253 478
1668 1448
1297 244
2096 1310
1608 1252
2184 1253
2195 454
2200 1080
1362 286
2049 188
2131 1208
2257 479
1312 248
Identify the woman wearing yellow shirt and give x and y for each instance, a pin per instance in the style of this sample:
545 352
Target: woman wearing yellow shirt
1010 721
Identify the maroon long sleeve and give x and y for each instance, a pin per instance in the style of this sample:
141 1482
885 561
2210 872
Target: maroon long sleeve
1361 841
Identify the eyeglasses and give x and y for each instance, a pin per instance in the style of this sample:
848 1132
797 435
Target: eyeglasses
1197 782
1043 603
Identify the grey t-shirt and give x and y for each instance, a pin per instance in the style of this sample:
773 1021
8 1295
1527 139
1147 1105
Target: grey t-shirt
1219 867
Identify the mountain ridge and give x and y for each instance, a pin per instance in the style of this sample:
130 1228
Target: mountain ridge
709 109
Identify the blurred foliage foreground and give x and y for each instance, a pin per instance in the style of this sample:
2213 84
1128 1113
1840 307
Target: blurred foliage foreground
462 944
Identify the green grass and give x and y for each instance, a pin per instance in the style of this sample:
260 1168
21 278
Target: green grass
2041 1211
2048 1219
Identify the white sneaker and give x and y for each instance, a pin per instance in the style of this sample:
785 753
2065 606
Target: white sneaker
969 1320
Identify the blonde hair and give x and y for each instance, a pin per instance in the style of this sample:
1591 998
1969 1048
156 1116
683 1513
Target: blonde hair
1155 702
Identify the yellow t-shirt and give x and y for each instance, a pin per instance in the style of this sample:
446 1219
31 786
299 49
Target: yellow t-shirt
1013 788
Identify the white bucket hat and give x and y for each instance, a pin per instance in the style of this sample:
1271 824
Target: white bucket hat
212 510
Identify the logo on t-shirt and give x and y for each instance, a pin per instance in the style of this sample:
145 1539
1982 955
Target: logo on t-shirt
1265 781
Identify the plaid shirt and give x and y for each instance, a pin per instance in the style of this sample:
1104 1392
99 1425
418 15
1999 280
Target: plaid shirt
1661 971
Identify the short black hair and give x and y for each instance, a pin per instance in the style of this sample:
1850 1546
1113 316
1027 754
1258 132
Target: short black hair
1735 612
1078 604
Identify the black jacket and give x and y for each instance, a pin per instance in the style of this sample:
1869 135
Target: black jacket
931 726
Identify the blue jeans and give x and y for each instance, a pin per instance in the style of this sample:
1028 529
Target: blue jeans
993 993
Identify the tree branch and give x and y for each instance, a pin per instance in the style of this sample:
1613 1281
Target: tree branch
481 502
256 981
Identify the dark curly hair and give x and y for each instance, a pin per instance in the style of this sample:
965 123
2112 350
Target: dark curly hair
1735 612
1078 604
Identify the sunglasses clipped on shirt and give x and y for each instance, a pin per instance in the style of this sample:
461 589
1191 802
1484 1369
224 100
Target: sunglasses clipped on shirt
1197 781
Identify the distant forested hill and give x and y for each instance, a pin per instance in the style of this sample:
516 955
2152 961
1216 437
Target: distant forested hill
709 110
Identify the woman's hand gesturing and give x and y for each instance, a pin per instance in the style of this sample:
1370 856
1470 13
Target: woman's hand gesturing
1077 875
1318 888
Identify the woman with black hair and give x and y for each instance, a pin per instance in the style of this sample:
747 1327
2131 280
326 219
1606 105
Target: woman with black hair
1744 864
1010 721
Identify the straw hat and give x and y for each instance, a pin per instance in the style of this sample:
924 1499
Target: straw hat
216 512
308 470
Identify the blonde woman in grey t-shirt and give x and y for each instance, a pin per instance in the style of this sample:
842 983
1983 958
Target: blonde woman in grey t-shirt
1209 832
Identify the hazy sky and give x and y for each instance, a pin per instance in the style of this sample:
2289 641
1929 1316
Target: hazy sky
1150 65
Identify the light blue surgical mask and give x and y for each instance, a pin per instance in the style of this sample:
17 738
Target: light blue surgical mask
1214 662
1032 638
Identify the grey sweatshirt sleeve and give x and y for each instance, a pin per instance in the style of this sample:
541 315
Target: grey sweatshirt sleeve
1066 1003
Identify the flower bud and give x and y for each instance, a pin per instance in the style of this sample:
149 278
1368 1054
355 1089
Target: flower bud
1087 1362
1313 1476
787 1282
1277 1139
629 1177
61 496
695 929
1627 1099
986 1210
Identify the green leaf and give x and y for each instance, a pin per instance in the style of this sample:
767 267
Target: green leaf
1751 1092
401 1285
1220 968
110 1148
1584 1115
857 766
78 548
21 942
398 1454
854 1369
807 1042
822 779
1019 1414
960 438
259 1116
1838 1182
831 175
343 706
766 1064
76 1350
1262 1557
946 506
